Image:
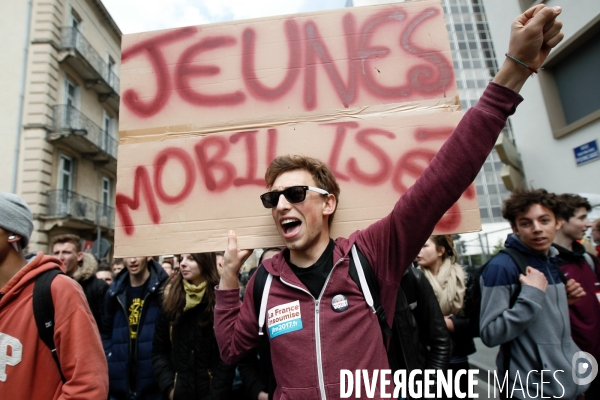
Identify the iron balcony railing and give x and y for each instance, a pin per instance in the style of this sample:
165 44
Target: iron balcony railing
69 204
71 38
68 119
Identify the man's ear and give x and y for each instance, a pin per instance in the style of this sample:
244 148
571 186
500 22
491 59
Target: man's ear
330 205
79 256
14 238
15 241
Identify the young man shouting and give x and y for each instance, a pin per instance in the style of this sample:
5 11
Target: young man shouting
312 338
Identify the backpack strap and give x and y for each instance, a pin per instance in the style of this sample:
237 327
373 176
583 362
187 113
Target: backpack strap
263 304
361 278
522 263
43 312
262 286
518 257
363 275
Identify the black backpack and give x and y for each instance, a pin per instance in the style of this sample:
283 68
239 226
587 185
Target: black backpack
43 312
260 281
521 262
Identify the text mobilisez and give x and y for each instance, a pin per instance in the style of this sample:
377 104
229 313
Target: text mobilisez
209 162
419 384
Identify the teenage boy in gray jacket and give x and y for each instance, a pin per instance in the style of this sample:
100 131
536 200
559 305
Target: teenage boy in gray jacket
534 329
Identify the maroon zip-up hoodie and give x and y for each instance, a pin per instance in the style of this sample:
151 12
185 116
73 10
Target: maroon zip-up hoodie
307 360
585 314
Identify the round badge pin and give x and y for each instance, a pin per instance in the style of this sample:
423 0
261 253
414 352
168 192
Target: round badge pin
339 303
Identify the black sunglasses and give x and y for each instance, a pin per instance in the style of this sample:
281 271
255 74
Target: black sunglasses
293 194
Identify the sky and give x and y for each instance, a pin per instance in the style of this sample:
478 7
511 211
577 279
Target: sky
148 15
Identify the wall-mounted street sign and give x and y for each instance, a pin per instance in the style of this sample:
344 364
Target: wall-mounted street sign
586 153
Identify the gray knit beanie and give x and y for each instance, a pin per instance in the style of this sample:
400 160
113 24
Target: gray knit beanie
15 216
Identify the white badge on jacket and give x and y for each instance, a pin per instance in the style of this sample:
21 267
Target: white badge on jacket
284 318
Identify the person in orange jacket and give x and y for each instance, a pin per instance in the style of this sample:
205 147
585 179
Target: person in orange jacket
27 367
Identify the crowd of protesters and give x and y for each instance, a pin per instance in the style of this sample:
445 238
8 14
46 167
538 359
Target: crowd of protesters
160 341
181 328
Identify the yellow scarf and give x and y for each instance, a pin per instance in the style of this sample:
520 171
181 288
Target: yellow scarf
193 294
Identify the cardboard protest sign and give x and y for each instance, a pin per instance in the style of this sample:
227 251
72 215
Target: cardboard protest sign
204 110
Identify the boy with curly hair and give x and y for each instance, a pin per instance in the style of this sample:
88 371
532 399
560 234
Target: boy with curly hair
527 314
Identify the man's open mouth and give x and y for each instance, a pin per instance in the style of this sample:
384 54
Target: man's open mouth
290 225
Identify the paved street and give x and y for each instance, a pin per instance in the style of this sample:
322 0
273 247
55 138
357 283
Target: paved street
484 360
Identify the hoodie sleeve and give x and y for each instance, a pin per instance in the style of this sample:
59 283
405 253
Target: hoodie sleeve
78 343
500 323
236 323
392 243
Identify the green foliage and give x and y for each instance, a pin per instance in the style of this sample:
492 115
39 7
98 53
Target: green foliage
499 246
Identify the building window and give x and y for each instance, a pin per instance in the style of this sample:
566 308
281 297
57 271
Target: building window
106 197
65 183
72 102
578 81
106 191
110 70
107 142
71 93
65 174
75 20
570 81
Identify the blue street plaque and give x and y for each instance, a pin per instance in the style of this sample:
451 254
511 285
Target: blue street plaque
586 152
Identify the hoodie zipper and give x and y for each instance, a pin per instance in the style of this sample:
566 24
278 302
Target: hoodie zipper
317 326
